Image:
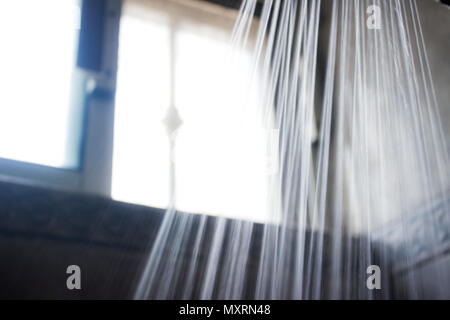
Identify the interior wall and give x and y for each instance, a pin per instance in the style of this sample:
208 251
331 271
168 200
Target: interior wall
43 231
435 23
435 19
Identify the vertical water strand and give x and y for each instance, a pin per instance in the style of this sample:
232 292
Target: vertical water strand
269 231
289 85
306 102
314 272
193 269
432 105
282 93
351 236
290 129
401 136
436 143
244 19
213 257
411 111
174 256
396 126
414 103
218 247
277 40
438 140
385 110
152 264
335 273
381 112
366 102
351 166
267 72
237 251
431 157
261 34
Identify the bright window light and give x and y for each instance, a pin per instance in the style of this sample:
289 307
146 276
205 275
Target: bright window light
220 150
141 149
36 62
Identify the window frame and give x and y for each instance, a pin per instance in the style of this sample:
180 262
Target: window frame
95 101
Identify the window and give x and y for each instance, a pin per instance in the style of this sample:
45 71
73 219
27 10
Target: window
173 53
38 44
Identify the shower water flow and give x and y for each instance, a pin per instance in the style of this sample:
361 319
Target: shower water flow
380 155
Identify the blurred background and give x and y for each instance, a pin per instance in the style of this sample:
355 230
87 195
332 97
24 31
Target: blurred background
85 86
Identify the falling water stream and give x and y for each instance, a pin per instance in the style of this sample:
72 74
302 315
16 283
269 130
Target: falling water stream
378 156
